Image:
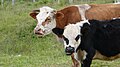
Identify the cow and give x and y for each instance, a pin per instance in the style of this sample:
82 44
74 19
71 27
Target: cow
48 19
93 39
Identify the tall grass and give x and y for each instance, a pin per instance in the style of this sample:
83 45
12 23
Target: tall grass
19 47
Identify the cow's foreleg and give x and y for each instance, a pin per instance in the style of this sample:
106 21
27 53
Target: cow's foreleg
75 62
87 60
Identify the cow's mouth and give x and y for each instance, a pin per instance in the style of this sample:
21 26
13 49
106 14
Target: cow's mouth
39 32
69 54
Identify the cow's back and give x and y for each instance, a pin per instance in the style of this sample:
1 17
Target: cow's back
103 11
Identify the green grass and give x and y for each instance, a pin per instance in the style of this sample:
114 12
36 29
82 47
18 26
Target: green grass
19 47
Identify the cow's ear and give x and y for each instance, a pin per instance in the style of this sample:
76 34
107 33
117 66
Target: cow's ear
85 28
58 31
59 15
34 13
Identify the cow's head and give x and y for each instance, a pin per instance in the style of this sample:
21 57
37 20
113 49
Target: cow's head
45 17
72 37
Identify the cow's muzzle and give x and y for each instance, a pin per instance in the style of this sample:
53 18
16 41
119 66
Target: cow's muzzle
39 32
69 50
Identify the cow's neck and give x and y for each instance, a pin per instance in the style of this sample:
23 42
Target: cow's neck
71 16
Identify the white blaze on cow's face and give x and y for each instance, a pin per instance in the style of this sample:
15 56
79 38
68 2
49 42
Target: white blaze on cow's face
72 38
46 21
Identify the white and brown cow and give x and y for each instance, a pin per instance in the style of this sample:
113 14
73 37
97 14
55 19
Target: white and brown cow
93 39
48 19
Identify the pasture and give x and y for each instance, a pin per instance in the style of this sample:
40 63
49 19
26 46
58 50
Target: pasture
19 47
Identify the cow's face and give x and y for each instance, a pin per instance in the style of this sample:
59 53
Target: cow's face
72 38
45 21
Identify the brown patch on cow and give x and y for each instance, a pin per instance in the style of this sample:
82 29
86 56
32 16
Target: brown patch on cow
59 15
48 20
98 55
103 11
71 15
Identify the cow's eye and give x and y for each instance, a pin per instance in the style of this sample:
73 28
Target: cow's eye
77 38
48 19
66 40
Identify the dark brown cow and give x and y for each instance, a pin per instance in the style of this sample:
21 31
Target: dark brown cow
50 20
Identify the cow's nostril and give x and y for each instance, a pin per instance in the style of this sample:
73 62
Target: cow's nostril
39 32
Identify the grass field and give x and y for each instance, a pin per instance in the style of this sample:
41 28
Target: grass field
19 47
